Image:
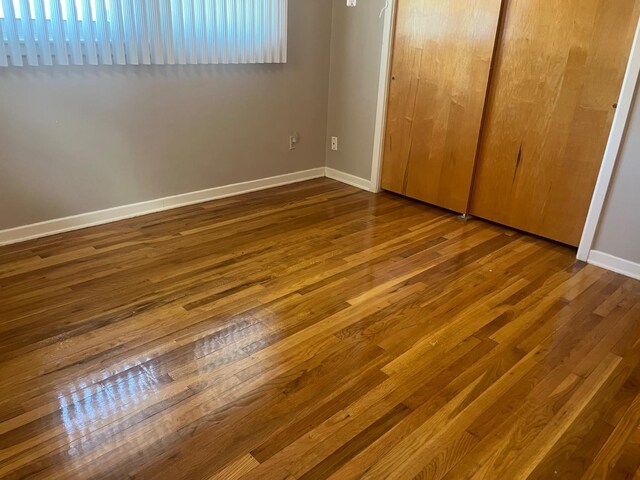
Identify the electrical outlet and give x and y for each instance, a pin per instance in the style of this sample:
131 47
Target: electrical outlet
334 144
293 141
351 3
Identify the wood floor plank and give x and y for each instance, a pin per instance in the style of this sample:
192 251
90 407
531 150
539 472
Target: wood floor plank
236 469
314 331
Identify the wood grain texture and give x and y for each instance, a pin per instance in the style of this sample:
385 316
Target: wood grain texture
557 76
439 75
314 331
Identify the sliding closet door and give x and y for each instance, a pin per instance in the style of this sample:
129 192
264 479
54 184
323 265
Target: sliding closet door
441 61
557 76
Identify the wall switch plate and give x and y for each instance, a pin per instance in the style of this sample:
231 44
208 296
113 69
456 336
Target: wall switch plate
334 144
351 3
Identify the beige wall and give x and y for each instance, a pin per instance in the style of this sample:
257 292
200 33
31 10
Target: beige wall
80 139
619 229
356 46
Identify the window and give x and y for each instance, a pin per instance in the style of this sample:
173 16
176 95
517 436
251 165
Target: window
94 32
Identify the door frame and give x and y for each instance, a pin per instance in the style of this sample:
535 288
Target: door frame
383 93
611 153
614 143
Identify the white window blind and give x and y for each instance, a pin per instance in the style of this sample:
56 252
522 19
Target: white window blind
106 32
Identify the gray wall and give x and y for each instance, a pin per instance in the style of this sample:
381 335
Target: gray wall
356 46
619 228
80 139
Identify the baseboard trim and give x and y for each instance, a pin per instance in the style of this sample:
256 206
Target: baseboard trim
615 264
84 220
348 179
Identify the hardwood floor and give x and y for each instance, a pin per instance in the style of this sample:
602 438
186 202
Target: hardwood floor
314 331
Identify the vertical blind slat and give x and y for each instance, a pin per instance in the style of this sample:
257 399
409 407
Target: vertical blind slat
258 27
3 52
247 50
11 26
210 12
223 35
189 31
42 33
88 33
130 33
266 5
273 27
278 23
73 34
240 31
143 31
57 29
283 31
200 20
155 33
167 31
178 32
27 33
250 8
102 24
117 32
232 28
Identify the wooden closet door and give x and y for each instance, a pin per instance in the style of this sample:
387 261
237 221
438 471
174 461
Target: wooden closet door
557 75
440 69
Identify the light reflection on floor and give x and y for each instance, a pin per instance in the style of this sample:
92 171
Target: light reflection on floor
96 406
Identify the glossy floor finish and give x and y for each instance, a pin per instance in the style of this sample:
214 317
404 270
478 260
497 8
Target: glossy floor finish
314 331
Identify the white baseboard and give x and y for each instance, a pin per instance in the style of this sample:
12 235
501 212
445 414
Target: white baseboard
615 264
76 222
348 179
